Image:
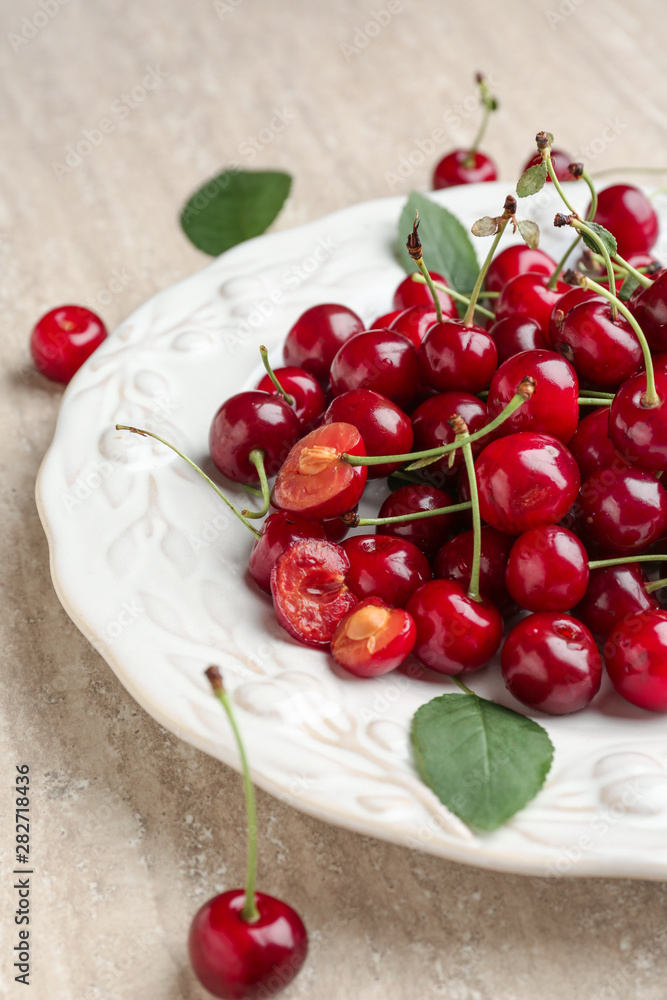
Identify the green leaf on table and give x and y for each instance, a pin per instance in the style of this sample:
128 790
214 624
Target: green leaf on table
627 288
483 761
233 207
532 180
604 235
447 247
530 233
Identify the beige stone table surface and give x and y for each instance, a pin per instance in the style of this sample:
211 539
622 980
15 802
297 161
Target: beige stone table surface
132 829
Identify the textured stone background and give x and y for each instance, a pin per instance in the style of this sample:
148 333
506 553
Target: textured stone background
132 829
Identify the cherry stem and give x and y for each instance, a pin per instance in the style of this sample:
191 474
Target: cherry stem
463 686
458 424
431 287
256 456
641 278
621 560
418 515
581 227
249 913
272 375
553 281
656 585
458 296
546 157
508 213
596 401
136 430
489 105
596 394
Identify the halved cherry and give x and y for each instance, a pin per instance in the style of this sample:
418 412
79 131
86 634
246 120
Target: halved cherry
309 592
373 638
314 481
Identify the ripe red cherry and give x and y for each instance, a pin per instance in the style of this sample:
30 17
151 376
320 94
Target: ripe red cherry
427 533
547 569
455 634
591 446
454 562
624 509
415 321
525 480
528 295
278 531
373 638
635 655
63 339
517 259
515 334
384 428
416 293
252 421
552 409
381 360
385 567
235 959
384 321
629 215
566 302
314 481
304 389
560 160
637 431
453 169
453 356
650 309
431 429
550 663
314 339
604 352
613 595
309 592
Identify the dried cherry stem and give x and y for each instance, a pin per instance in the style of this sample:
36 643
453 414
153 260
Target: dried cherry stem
577 170
581 227
656 585
650 399
361 522
142 433
256 456
414 247
272 375
249 913
509 211
460 428
459 296
524 392
490 104
621 560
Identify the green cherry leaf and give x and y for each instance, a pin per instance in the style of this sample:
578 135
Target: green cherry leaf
483 761
233 207
532 180
530 233
627 288
604 235
447 247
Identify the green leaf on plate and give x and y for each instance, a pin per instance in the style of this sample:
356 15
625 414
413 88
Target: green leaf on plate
233 207
627 288
604 235
532 180
447 247
483 761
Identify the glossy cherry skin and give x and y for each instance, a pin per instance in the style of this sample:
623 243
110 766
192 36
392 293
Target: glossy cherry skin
453 169
454 633
637 431
629 215
237 960
528 295
603 352
386 567
314 481
550 663
252 420
454 562
373 638
614 594
317 335
547 569
455 357
552 409
635 655
517 259
515 334
310 595
560 160
384 321
624 509
562 307
411 292
591 446
650 309
384 427
430 423
414 322
63 339
278 531
428 533
304 389
525 480
381 360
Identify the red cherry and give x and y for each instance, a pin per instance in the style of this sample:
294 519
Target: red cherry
426 533
381 360
515 334
650 310
560 160
550 663
304 389
566 302
637 431
517 259
591 446
454 562
335 529
316 336
384 321
453 169
453 356
454 632
624 509
635 655
614 594
528 295
552 409
547 569
252 421
314 481
603 352
415 321
525 480
416 293
373 638
629 215
384 428
238 960
278 531
385 567
63 339
309 592
431 429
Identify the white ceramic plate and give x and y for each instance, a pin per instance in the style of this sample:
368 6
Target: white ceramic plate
151 568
